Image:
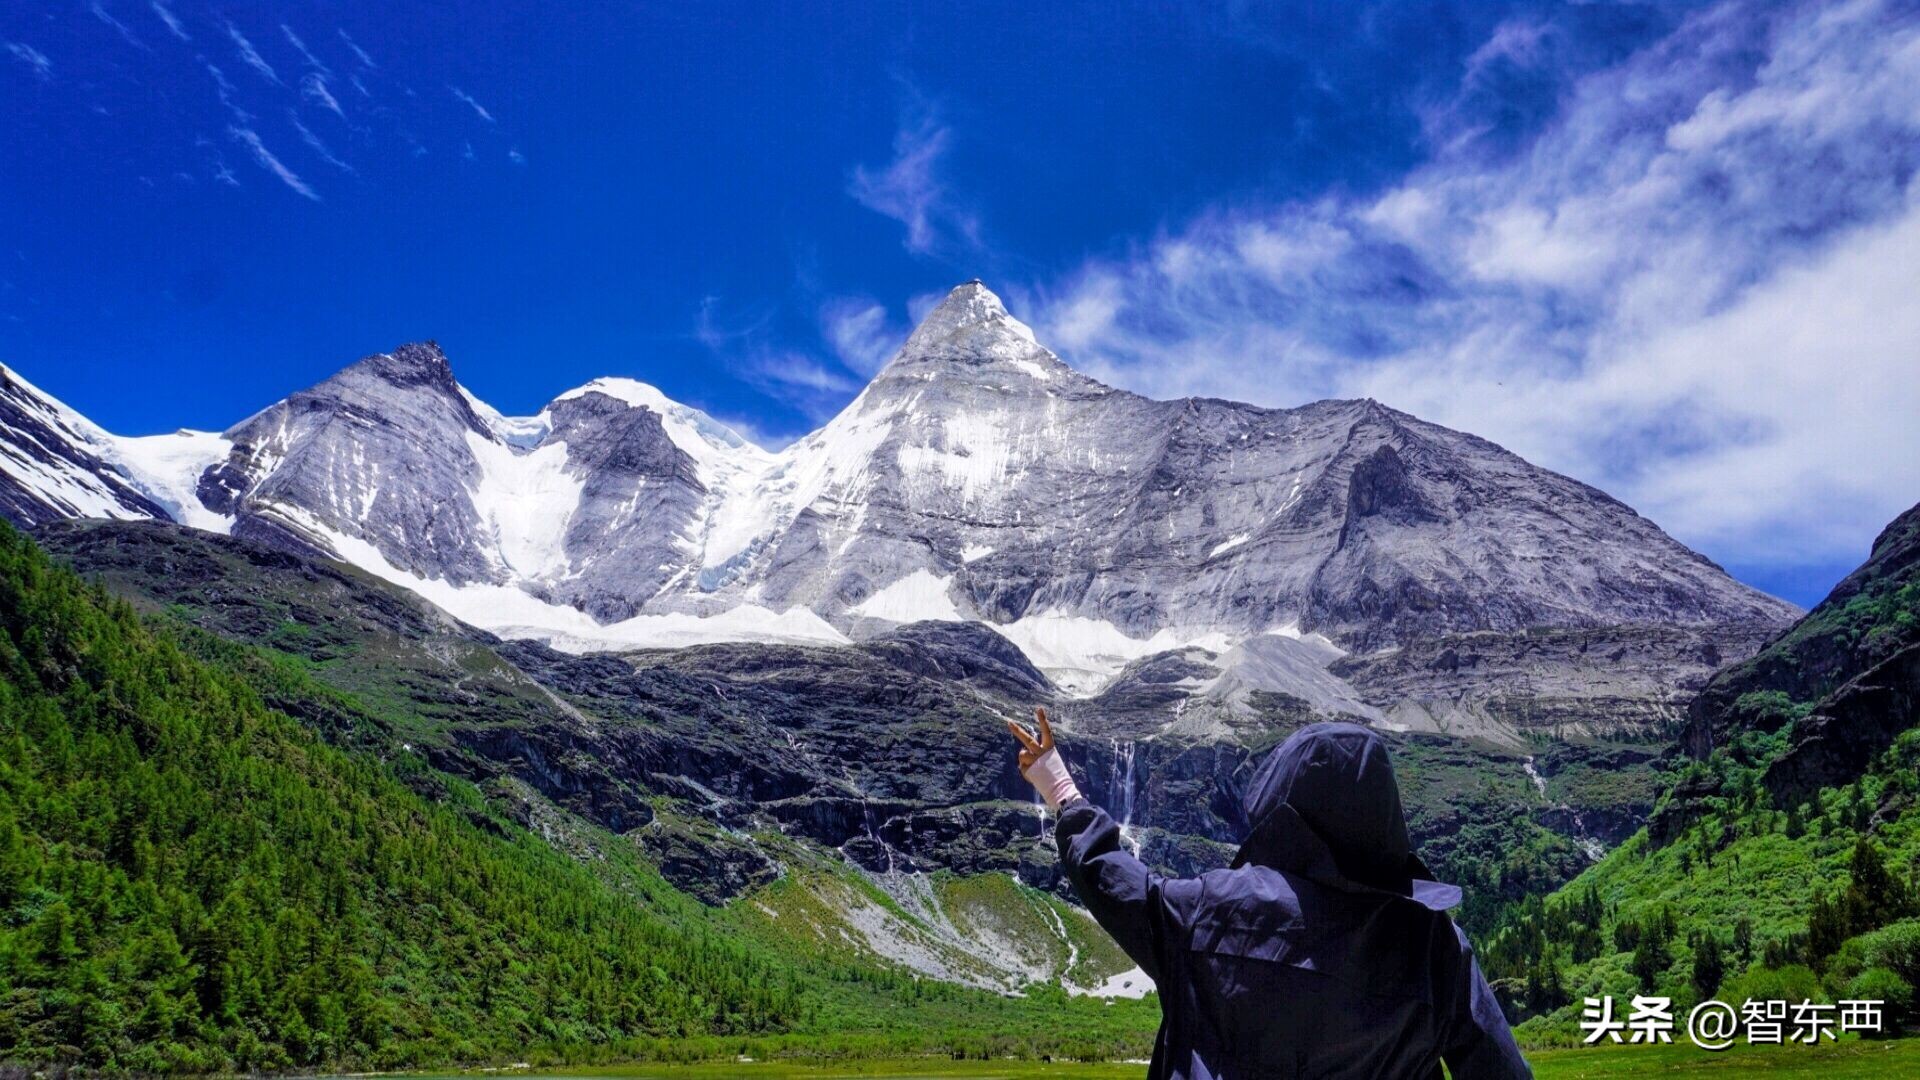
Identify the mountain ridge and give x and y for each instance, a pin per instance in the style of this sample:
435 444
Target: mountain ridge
976 477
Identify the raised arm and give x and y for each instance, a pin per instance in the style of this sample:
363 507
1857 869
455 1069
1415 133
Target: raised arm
1124 897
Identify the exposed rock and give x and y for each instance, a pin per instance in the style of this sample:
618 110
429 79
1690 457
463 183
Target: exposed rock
1873 614
1834 744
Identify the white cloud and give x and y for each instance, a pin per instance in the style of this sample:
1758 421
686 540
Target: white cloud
251 140
313 143
35 60
252 55
314 89
477 107
126 33
224 87
859 332
301 48
815 388
911 189
1691 289
357 50
172 20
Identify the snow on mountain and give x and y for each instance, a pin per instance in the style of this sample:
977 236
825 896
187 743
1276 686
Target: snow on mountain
528 498
167 468
719 453
55 463
524 432
1080 653
976 477
918 597
511 611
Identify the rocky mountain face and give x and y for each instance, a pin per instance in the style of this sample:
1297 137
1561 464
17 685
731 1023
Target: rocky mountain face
977 477
1841 683
979 474
888 756
55 465
630 612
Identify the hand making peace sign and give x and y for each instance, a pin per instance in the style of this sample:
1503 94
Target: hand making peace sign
1031 748
1041 764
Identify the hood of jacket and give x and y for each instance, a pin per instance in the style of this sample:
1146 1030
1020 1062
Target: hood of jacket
1325 805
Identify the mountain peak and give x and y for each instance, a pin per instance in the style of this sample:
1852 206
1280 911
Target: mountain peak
972 327
969 304
413 364
631 391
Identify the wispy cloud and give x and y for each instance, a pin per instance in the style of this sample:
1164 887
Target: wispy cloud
35 60
126 33
860 333
1692 288
251 140
314 89
252 55
305 53
478 108
313 143
172 20
224 87
357 50
514 155
912 189
815 388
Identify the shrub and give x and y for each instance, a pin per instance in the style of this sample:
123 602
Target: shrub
1881 984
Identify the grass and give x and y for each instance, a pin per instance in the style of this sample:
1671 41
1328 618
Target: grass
1830 1061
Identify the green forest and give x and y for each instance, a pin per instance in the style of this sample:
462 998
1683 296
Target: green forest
1784 863
193 882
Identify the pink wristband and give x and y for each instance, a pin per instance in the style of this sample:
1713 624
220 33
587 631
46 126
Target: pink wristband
1049 776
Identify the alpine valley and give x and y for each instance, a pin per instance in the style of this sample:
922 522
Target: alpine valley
772 685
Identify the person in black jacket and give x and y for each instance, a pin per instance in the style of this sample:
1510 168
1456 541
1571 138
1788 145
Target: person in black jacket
1323 951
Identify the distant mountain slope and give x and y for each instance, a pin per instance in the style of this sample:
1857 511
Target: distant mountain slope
1867 620
976 477
1779 862
887 758
55 465
193 882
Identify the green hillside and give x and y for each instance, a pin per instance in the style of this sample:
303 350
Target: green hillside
192 881
1784 860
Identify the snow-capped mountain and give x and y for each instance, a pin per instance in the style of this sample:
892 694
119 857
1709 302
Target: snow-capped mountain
976 477
56 464
980 477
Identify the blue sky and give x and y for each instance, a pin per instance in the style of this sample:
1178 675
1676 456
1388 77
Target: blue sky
1669 249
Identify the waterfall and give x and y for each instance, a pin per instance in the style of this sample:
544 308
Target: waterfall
1120 782
873 831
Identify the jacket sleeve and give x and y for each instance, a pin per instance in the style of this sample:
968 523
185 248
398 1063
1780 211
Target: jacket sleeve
1479 1042
1124 897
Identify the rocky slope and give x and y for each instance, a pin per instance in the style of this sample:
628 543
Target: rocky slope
1823 699
1868 619
976 477
887 756
55 465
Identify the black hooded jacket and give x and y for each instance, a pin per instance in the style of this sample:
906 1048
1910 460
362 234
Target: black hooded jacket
1323 951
